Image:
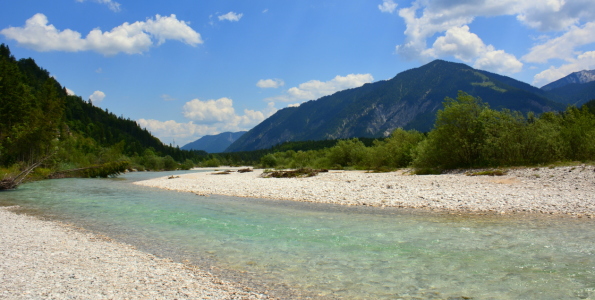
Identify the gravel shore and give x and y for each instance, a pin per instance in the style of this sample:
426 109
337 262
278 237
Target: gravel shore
48 260
561 190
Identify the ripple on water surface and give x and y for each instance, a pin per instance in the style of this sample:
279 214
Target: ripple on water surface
334 251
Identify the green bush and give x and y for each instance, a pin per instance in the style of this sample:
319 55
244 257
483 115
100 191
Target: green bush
347 153
211 163
458 136
395 151
268 161
187 165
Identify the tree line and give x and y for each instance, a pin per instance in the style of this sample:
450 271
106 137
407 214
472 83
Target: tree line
40 122
467 134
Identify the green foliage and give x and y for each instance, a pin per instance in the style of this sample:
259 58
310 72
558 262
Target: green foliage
578 132
211 163
268 161
169 164
347 153
496 172
187 165
38 118
31 111
458 136
105 170
395 151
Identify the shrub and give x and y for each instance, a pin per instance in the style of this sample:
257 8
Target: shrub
457 138
268 161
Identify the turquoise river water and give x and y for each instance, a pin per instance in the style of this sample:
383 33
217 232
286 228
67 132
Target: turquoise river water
306 250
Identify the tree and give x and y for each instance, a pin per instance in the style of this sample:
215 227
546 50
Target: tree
458 135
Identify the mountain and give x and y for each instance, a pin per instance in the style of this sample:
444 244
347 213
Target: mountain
409 100
576 77
36 112
214 143
575 89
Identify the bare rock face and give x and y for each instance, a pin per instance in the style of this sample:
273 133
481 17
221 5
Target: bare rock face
580 77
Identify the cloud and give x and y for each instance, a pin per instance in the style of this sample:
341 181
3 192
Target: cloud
70 92
128 38
181 133
224 119
210 111
315 89
167 97
112 5
270 83
498 61
585 61
230 16
427 19
563 47
387 6
468 47
97 97
222 111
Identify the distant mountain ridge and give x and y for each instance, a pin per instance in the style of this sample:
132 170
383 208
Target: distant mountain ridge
214 143
575 89
580 77
409 100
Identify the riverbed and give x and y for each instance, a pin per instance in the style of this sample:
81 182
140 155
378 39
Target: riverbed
315 250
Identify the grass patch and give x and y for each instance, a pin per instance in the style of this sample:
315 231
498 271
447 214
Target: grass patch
496 172
427 171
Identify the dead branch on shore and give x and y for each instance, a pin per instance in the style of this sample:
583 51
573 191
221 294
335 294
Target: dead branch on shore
104 170
10 182
303 172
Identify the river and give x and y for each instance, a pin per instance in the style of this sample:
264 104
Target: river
329 251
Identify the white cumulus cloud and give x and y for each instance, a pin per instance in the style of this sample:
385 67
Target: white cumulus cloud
585 61
97 97
447 26
270 83
133 38
210 111
563 47
207 117
230 16
315 89
170 131
468 47
388 6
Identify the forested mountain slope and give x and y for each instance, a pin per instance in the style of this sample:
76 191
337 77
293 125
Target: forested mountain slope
37 118
410 100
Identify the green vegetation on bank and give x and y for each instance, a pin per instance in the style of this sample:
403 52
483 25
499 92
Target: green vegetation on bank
467 134
64 136
46 133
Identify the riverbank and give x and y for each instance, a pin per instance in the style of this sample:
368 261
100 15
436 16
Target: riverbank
562 190
50 260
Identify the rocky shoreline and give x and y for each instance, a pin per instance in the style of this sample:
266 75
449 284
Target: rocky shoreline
49 260
568 190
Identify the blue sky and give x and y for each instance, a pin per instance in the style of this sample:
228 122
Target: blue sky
188 68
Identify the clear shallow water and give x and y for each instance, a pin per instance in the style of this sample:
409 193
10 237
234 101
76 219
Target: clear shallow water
333 251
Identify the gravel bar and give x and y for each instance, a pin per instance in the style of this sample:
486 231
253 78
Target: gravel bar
560 190
50 260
